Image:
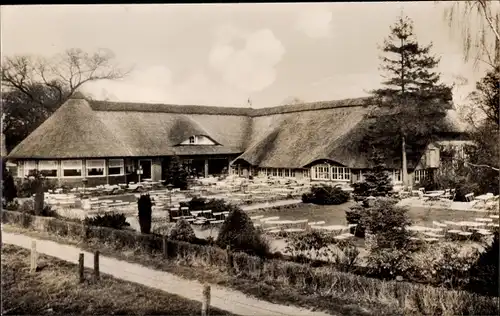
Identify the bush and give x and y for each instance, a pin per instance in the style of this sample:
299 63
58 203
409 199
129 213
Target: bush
390 255
353 216
28 207
110 219
309 245
326 195
361 189
182 231
452 270
144 204
27 186
239 234
12 206
463 189
307 197
388 263
347 258
9 190
484 272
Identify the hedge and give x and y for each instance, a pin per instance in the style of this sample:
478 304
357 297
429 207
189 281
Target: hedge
406 296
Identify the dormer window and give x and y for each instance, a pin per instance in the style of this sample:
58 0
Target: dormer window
198 140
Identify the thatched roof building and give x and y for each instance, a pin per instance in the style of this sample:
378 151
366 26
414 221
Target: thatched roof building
291 136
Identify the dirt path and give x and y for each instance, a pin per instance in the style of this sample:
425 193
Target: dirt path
222 298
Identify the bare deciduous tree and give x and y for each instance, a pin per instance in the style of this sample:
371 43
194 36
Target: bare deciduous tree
479 23
63 75
34 87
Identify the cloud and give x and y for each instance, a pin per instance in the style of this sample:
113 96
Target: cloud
155 85
151 84
252 67
315 23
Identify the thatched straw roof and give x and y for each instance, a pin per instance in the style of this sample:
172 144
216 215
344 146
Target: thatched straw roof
290 136
299 139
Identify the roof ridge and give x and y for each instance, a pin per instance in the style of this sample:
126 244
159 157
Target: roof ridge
102 105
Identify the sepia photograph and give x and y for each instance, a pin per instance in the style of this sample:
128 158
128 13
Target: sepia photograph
323 159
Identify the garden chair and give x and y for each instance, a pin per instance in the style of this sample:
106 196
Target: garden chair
469 197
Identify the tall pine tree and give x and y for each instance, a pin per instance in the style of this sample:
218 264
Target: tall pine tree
412 103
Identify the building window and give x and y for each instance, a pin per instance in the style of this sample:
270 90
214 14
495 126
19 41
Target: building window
420 175
29 167
280 172
192 140
48 168
397 175
306 173
340 173
115 167
95 168
20 169
321 172
292 173
71 168
287 173
327 172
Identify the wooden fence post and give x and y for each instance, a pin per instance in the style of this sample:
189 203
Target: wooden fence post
96 266
165 246
81 268
230 263
205 305
33 257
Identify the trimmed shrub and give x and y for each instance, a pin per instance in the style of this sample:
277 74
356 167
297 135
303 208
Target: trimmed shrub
144 204
326 195
307 198
182 231
239 234
110 219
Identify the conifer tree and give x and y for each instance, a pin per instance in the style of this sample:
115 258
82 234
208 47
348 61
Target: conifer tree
378 182
412 103
176 174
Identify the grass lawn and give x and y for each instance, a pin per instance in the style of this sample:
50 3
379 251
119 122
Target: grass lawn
55 290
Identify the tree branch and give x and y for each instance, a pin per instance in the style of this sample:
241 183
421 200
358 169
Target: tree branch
481 166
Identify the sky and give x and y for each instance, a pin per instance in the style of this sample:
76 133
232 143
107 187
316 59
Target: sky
226 54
